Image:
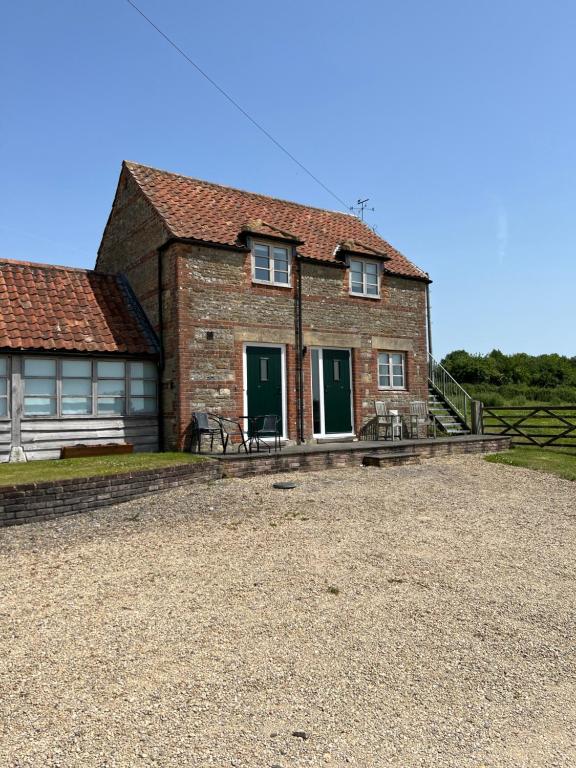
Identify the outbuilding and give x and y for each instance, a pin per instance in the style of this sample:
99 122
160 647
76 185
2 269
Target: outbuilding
78 362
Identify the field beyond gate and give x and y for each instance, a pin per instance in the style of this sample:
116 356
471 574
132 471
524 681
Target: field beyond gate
540 425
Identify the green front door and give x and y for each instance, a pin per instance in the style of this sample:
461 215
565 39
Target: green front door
264 381
337 403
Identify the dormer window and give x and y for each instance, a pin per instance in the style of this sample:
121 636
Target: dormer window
364 278
271 264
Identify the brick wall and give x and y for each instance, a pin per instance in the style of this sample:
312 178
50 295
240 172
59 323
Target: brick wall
130 243
46 501
242 466
216 297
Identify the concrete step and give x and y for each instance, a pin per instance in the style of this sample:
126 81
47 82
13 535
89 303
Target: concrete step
390 459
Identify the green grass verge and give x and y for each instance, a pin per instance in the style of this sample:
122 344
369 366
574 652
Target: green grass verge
61 469
555 461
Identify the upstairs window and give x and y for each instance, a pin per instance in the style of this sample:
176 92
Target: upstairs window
3 387
391 370
364 278
271 264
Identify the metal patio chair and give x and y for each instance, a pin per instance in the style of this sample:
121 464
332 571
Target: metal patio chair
266 427
233 429
419 416
207 424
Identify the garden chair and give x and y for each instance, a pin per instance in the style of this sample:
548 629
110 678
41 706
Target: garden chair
420 415
206 424
264 427
389 422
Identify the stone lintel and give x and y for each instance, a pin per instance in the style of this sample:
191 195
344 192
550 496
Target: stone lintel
265 335
392 343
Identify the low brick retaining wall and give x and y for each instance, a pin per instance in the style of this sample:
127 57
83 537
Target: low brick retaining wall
46 501
244 465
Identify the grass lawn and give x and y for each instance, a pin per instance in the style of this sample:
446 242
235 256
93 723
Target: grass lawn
60 469
556 461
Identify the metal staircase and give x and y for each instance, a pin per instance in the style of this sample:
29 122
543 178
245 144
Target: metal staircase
449 404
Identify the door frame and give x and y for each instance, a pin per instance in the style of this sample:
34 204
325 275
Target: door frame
282 348
325 434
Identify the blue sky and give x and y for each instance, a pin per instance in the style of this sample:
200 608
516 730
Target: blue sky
457 119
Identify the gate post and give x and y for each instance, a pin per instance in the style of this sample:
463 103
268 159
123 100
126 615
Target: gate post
477 411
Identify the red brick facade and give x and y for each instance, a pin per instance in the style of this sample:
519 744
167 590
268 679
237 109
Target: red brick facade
211 308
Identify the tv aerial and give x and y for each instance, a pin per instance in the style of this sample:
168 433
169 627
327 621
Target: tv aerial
360 207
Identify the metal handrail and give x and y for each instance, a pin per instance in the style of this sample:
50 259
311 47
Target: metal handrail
449 389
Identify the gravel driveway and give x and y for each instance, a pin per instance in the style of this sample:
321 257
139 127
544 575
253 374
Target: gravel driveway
414 616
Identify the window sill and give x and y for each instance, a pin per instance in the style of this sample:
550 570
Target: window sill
392 389
364 296
271 284
93 417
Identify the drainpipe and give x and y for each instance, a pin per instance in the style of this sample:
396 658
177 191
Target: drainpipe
428 319
299 352
160 278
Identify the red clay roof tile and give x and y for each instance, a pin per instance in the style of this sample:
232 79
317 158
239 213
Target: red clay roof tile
53 308
202 210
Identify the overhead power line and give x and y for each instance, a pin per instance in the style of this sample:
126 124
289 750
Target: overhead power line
234 103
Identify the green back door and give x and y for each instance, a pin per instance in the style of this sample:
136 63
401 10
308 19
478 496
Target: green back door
264 381
337 404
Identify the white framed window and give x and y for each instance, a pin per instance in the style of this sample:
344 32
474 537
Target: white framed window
40 387
391 370
364 278
271 264
4 387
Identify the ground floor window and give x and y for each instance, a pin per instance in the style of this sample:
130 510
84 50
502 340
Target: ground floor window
391 370
40 387
84 387
3 387
76 387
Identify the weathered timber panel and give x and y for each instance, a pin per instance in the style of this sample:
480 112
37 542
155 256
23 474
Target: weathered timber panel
43 438
5 440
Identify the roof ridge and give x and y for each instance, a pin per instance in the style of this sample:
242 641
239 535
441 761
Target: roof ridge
131 163
59 267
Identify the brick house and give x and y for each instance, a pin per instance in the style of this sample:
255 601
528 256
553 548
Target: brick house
266 306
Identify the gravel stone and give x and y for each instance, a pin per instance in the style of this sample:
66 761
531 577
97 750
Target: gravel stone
183 629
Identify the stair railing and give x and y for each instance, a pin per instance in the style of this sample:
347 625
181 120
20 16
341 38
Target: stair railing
449 390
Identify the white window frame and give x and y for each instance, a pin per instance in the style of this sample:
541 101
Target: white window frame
271 245
389 365
364 292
